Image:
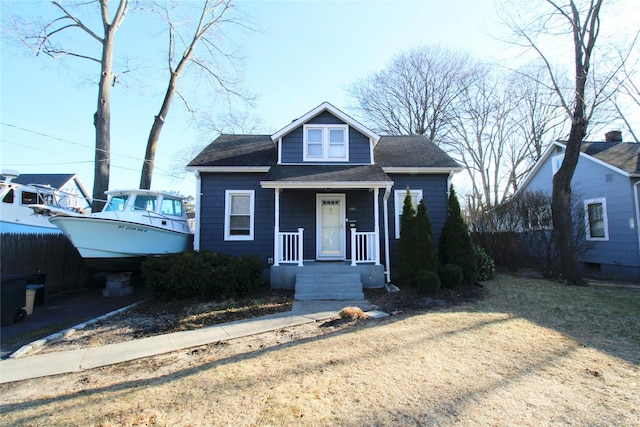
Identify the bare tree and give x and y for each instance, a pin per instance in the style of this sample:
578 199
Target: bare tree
482 129
46 42
416 93
213 15
580 21
629 90
538 120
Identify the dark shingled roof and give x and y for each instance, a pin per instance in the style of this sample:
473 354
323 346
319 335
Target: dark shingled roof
622 155
411 151
238 150
55 180
259 150
326 173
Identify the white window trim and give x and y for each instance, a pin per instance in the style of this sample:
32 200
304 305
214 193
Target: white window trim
554 162
398 201
325 143
587 202
227 210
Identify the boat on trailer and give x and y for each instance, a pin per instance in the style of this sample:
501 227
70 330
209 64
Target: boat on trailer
133 225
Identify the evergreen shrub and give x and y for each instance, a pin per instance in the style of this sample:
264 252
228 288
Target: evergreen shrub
202 274
486 266
408 258
456 246
428 282
451 276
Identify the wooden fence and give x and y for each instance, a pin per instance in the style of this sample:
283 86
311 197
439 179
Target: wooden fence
50 255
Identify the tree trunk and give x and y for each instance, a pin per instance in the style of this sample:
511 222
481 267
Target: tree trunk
102 122
561 206
154 135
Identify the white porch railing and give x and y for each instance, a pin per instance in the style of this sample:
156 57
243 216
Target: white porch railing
364 247
289 247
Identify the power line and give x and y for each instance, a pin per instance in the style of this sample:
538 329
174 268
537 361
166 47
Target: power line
162 171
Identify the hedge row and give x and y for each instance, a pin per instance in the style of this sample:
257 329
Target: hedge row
202 274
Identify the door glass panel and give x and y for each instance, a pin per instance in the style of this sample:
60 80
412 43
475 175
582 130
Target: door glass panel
331 243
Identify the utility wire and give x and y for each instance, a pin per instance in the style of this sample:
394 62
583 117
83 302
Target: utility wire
162 171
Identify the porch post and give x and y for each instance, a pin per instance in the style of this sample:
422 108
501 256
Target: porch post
300 246
276 229
376 223
353 247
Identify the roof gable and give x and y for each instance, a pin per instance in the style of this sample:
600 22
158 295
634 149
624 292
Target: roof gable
325 106
621 157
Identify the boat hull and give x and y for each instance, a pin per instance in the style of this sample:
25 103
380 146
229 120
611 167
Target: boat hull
118 245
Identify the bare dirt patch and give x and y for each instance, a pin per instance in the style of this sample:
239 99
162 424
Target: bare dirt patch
530 353
156 317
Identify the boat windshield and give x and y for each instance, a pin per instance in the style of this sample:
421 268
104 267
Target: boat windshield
172 207
116 203
144 203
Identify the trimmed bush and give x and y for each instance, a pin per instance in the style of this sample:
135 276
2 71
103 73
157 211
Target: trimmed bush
202 274
425 243
455 242
408 260
486 266
451 276
428 282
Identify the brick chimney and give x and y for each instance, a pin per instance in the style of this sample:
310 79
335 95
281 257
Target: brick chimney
613 136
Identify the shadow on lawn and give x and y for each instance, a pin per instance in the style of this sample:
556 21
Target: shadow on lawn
598 317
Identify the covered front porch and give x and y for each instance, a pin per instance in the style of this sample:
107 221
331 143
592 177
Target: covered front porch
327 220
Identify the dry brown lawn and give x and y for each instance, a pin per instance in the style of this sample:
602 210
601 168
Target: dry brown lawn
532 353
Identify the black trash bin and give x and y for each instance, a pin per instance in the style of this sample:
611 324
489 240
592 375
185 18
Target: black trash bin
13 292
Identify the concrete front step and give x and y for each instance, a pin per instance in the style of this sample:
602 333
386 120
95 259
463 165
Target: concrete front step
328 286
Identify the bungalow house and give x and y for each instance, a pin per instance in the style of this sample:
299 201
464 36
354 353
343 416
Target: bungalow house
607 182
320 197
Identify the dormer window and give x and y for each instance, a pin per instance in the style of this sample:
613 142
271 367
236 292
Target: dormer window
326 143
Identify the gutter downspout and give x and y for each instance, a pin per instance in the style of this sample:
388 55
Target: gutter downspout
636 197
196 232
387 193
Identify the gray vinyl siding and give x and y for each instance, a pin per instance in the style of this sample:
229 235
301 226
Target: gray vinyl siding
212 215
593 181
435 194
619 255
359 144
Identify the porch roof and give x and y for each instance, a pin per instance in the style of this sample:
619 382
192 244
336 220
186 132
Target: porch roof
326 176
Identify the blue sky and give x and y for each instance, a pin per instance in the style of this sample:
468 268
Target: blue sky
303 53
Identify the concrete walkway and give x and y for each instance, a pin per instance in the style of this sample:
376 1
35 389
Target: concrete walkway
93 357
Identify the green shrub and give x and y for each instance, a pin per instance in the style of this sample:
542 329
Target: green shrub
451 276
202 274
407 255
486 266
455 242
428 282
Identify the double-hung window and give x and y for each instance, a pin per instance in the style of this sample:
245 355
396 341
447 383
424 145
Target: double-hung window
326 143
416 196
596 224
239 214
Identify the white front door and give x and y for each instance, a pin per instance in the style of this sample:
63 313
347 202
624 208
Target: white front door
330 226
